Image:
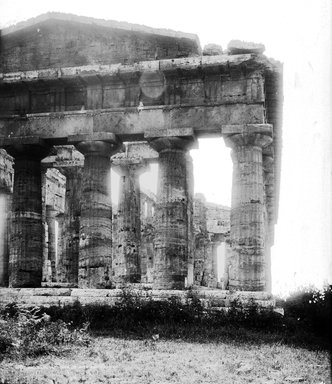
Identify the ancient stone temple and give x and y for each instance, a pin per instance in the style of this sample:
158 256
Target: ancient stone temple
80 96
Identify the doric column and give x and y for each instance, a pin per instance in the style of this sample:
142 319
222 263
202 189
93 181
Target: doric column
210 273
190 210
126 258
172 212
52 239
214 251
5 203
26 229
201 239
147 237
67 269
6 189
247 234
268 166
95 253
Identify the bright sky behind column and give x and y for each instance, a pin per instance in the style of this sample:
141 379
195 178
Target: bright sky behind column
295 32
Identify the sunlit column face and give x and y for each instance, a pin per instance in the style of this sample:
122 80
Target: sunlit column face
3 241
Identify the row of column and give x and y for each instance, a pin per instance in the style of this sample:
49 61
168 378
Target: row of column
173 257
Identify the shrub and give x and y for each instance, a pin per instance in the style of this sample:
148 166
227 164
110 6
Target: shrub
310 309
30 332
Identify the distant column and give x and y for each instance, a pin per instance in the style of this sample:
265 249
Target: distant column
126 259
26 230
247 234
6 186
268 166
172 217
67 270
147 239
214 249
52 239
190 208
4 251
95 253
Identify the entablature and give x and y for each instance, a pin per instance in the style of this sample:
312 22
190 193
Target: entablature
224 79
131 124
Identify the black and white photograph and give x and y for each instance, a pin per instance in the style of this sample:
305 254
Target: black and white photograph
165 191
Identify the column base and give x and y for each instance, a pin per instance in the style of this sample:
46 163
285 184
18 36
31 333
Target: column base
170 282
94 277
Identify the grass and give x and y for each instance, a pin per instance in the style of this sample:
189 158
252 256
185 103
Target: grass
114 360
140 341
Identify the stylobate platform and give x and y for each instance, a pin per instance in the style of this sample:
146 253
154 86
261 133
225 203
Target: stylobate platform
211 298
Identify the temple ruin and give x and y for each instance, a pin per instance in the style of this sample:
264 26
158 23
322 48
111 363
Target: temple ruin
79 96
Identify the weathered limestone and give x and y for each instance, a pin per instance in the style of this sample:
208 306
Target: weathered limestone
148 232
211 229
3 240
6 189
126 266
190 213
64 194
67 271
52 240
53 196
95 259
248 204
269 187
201 239
238 47
172 219
26 231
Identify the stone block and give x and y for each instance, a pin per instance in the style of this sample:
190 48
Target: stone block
212 50
238 47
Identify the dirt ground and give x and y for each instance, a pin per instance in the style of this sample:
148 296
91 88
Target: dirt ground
111 360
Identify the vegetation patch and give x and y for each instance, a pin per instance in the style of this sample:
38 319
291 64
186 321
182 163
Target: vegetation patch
44 330
32 332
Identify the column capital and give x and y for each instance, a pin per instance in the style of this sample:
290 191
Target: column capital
237 140
172 139
30 147
98 144
259 135
167 143
122 163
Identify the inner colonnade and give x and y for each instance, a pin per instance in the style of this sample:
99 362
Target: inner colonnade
125 95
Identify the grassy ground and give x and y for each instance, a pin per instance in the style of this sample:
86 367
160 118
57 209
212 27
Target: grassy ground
116 360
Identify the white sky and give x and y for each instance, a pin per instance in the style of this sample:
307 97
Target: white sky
296 32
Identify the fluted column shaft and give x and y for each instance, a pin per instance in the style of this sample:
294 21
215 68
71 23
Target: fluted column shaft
95 253
126 258
247 234
67 271
190 210
268 166
52 239
172 213
26 230
6 187
214 250
4 251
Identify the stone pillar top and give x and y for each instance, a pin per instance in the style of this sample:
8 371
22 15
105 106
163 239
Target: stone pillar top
120 162
29 147
248 139
232 129
51 210
99 143
170 139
